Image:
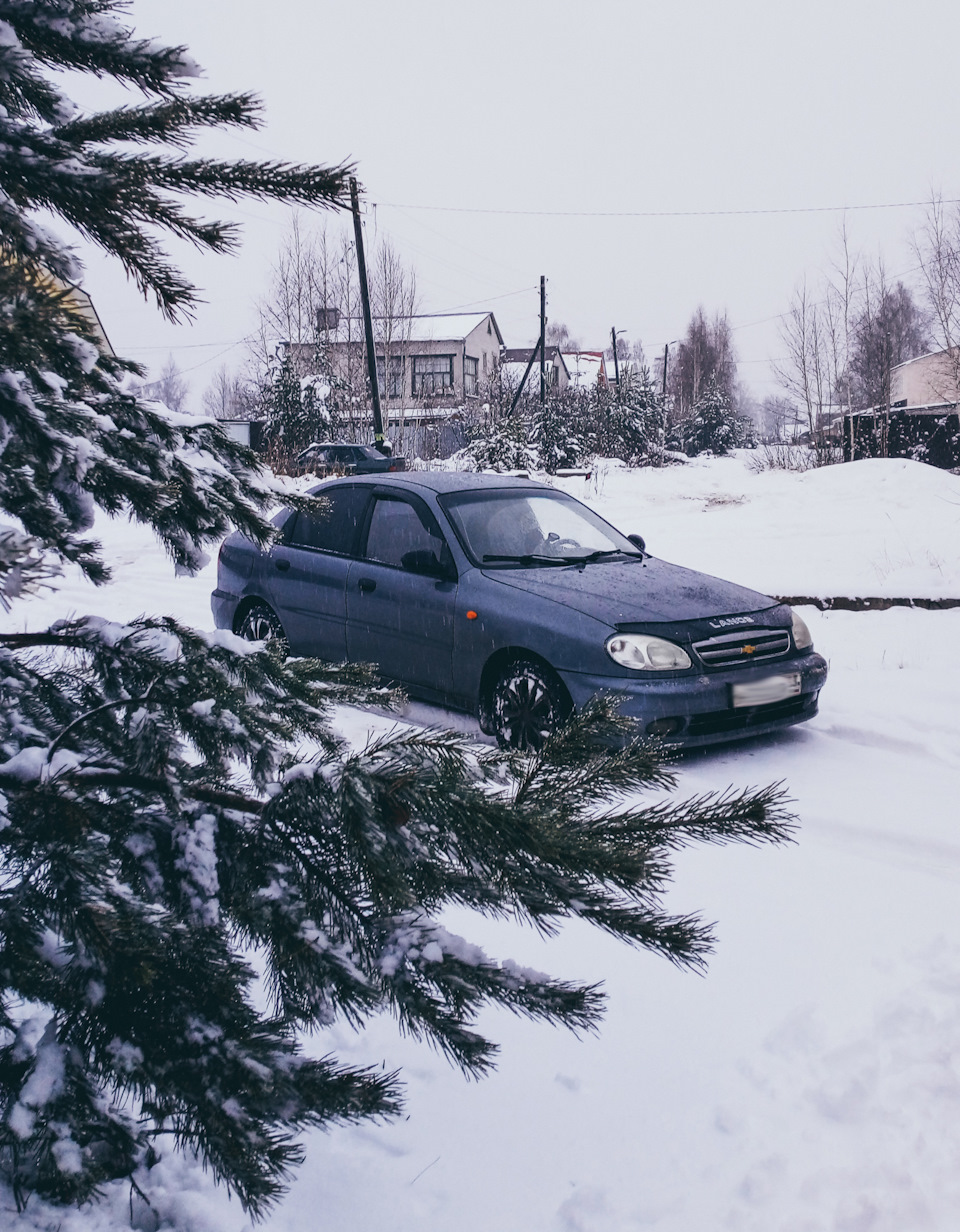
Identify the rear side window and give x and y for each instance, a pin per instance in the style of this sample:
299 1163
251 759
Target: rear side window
333 528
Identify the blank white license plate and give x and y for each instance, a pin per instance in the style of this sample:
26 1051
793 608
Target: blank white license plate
769 689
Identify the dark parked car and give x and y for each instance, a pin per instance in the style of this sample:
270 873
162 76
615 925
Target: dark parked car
513 600
340 458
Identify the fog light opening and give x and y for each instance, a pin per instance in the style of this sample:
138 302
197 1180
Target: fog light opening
664 727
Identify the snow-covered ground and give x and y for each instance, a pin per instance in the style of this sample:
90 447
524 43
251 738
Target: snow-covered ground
810 1081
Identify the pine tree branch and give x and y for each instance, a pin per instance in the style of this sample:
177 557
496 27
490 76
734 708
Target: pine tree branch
119 704
170 121
108 50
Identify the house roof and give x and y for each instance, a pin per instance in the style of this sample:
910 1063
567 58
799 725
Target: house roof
521 355
448 326
926 408
917 358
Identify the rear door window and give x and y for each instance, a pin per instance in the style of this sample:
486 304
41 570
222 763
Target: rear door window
334 528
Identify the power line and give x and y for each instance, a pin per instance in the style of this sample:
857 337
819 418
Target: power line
793 209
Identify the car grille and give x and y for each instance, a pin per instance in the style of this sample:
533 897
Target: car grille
743 647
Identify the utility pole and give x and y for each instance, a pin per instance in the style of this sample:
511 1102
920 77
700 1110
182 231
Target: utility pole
543 339
523 379
666 352
379 440
616 364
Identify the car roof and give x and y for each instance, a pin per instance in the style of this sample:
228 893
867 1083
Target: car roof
441 481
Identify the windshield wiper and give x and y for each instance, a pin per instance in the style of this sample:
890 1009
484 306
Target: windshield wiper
603 553
531 558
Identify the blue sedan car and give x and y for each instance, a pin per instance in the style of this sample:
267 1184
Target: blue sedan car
513 600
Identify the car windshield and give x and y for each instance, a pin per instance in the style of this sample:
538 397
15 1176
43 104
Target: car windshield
532 528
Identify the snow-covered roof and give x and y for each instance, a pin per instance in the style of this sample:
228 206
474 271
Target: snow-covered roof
925 408
919 358
452 326
432 327
586 368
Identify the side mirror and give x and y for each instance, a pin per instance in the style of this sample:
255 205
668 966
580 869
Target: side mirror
638 541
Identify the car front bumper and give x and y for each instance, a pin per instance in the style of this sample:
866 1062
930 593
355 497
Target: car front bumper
695 710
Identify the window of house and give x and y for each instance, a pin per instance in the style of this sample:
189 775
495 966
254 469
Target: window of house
470 369
432 373
390 376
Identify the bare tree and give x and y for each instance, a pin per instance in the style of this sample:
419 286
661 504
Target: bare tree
394 303
937 246
779 419
170 389
224 396
559 335
843 339
888 329
807 372
703 359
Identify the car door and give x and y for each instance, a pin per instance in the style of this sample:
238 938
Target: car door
305 577
401 596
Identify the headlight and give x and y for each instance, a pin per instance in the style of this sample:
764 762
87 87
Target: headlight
801 634
643 653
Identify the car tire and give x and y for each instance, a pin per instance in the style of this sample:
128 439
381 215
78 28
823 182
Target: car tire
527 704
262 624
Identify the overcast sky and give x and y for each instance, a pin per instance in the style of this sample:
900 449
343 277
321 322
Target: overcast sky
525 110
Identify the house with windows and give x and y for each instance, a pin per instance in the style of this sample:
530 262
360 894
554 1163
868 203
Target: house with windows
424 359
447 355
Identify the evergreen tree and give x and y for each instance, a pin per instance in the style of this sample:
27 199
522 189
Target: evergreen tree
633 425
291 419
714 426
504 446
555 432
156 826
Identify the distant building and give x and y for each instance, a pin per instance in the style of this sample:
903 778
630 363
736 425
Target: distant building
922 421
433 358
928 380
514 360
587 369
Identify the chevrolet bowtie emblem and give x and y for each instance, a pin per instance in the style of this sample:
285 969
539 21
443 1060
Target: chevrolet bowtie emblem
749 649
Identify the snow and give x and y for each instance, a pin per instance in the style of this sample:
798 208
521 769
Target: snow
44 1084
878 527
811 1079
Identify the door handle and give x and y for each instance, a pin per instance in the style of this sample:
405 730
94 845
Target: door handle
367 585
282 565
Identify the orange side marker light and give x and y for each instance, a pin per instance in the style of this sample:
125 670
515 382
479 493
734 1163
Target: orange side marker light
471 615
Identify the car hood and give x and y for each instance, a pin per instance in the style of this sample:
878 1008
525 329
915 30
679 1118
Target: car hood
631 592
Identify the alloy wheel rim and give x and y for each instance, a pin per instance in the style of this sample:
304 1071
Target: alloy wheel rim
258 627
525 710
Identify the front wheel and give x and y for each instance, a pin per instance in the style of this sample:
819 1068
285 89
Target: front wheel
529 703
262 624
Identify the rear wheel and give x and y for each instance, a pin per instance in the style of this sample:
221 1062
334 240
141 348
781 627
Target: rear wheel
262 624
528 704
